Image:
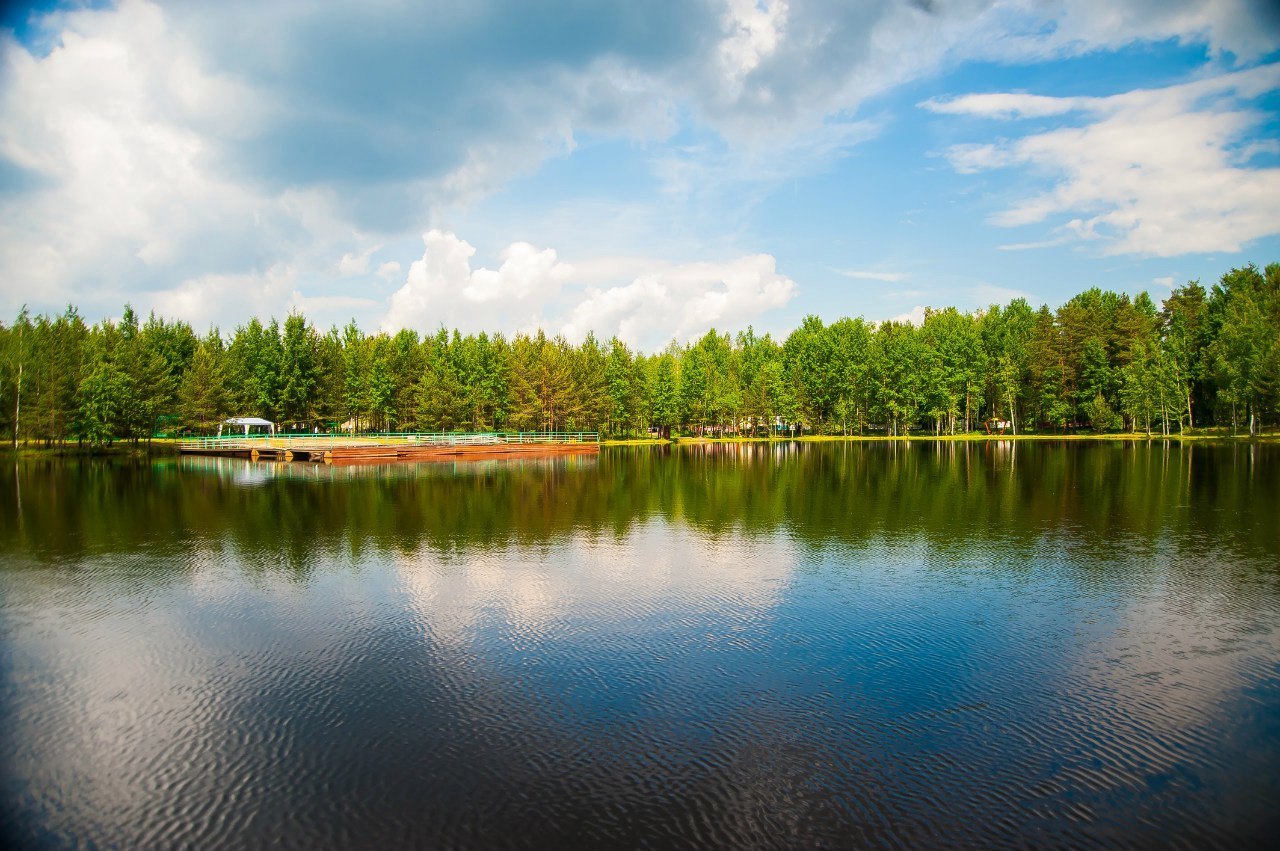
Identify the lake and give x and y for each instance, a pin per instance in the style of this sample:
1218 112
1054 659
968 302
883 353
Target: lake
893 645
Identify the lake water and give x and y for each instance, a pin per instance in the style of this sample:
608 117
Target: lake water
817 645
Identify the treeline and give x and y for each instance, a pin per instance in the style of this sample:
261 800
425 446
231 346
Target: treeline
1101 361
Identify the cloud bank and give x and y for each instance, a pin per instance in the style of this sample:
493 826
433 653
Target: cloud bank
212 159
532 288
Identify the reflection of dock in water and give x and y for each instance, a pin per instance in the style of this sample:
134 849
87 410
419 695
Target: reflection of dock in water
335 449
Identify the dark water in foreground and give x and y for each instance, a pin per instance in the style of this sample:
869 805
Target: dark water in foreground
792 646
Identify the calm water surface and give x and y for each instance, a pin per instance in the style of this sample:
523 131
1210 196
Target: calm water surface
740 646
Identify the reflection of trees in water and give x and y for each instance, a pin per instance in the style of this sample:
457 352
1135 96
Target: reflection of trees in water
952 495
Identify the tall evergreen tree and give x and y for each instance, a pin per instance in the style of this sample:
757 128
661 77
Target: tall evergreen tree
203 398
299 371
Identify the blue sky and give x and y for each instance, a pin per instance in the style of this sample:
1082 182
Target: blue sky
648 170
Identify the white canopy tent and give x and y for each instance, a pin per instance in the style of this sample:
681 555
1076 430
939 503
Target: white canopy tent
247 423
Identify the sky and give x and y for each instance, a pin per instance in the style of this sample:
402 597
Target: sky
649 170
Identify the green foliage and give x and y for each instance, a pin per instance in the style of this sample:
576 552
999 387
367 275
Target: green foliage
203 400
623 396
1100 415
665 401
99 399
1103 360
1184 327
1245 355
896 364
298 371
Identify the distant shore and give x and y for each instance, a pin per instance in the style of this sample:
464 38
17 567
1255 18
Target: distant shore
971 437
165 446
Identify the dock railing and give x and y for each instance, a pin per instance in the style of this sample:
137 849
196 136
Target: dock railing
334 441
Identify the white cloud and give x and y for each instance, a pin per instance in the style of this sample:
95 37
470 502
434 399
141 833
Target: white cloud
1150 172
872 275
754 29
1002 105
971 159
193 142
228 299
915 316
683 301
1061 239
531 288
85 119
822 58
1246 28
154 146
332 305
442 288
357 264
606 576
120 127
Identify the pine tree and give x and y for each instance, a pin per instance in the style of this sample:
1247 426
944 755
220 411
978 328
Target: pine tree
203 399
298 370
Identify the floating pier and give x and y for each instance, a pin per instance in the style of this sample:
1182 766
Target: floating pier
341 449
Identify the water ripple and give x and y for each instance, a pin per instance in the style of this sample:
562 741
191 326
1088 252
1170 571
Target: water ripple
1060 658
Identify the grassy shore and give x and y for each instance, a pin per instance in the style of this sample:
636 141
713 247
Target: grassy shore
977 437
636 441
118 449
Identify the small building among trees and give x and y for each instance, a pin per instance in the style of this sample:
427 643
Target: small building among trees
247 423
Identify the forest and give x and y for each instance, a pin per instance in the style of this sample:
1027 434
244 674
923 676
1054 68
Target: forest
1101 362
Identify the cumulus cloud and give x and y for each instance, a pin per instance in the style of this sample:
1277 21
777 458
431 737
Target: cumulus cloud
443 289
683 301
119 123
1157 172
533 288
357 263
146 143
915 316
753 31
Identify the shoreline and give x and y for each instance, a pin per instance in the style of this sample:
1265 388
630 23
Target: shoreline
1128 437
165 447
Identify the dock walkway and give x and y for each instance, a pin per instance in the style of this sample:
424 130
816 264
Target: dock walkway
331 449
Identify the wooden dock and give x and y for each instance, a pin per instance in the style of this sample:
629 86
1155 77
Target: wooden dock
331 449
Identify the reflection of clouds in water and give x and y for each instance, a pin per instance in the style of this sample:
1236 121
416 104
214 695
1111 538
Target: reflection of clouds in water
116 717
1058 647
1174 657
655 573
640 661
251 476
1157 682
148 712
